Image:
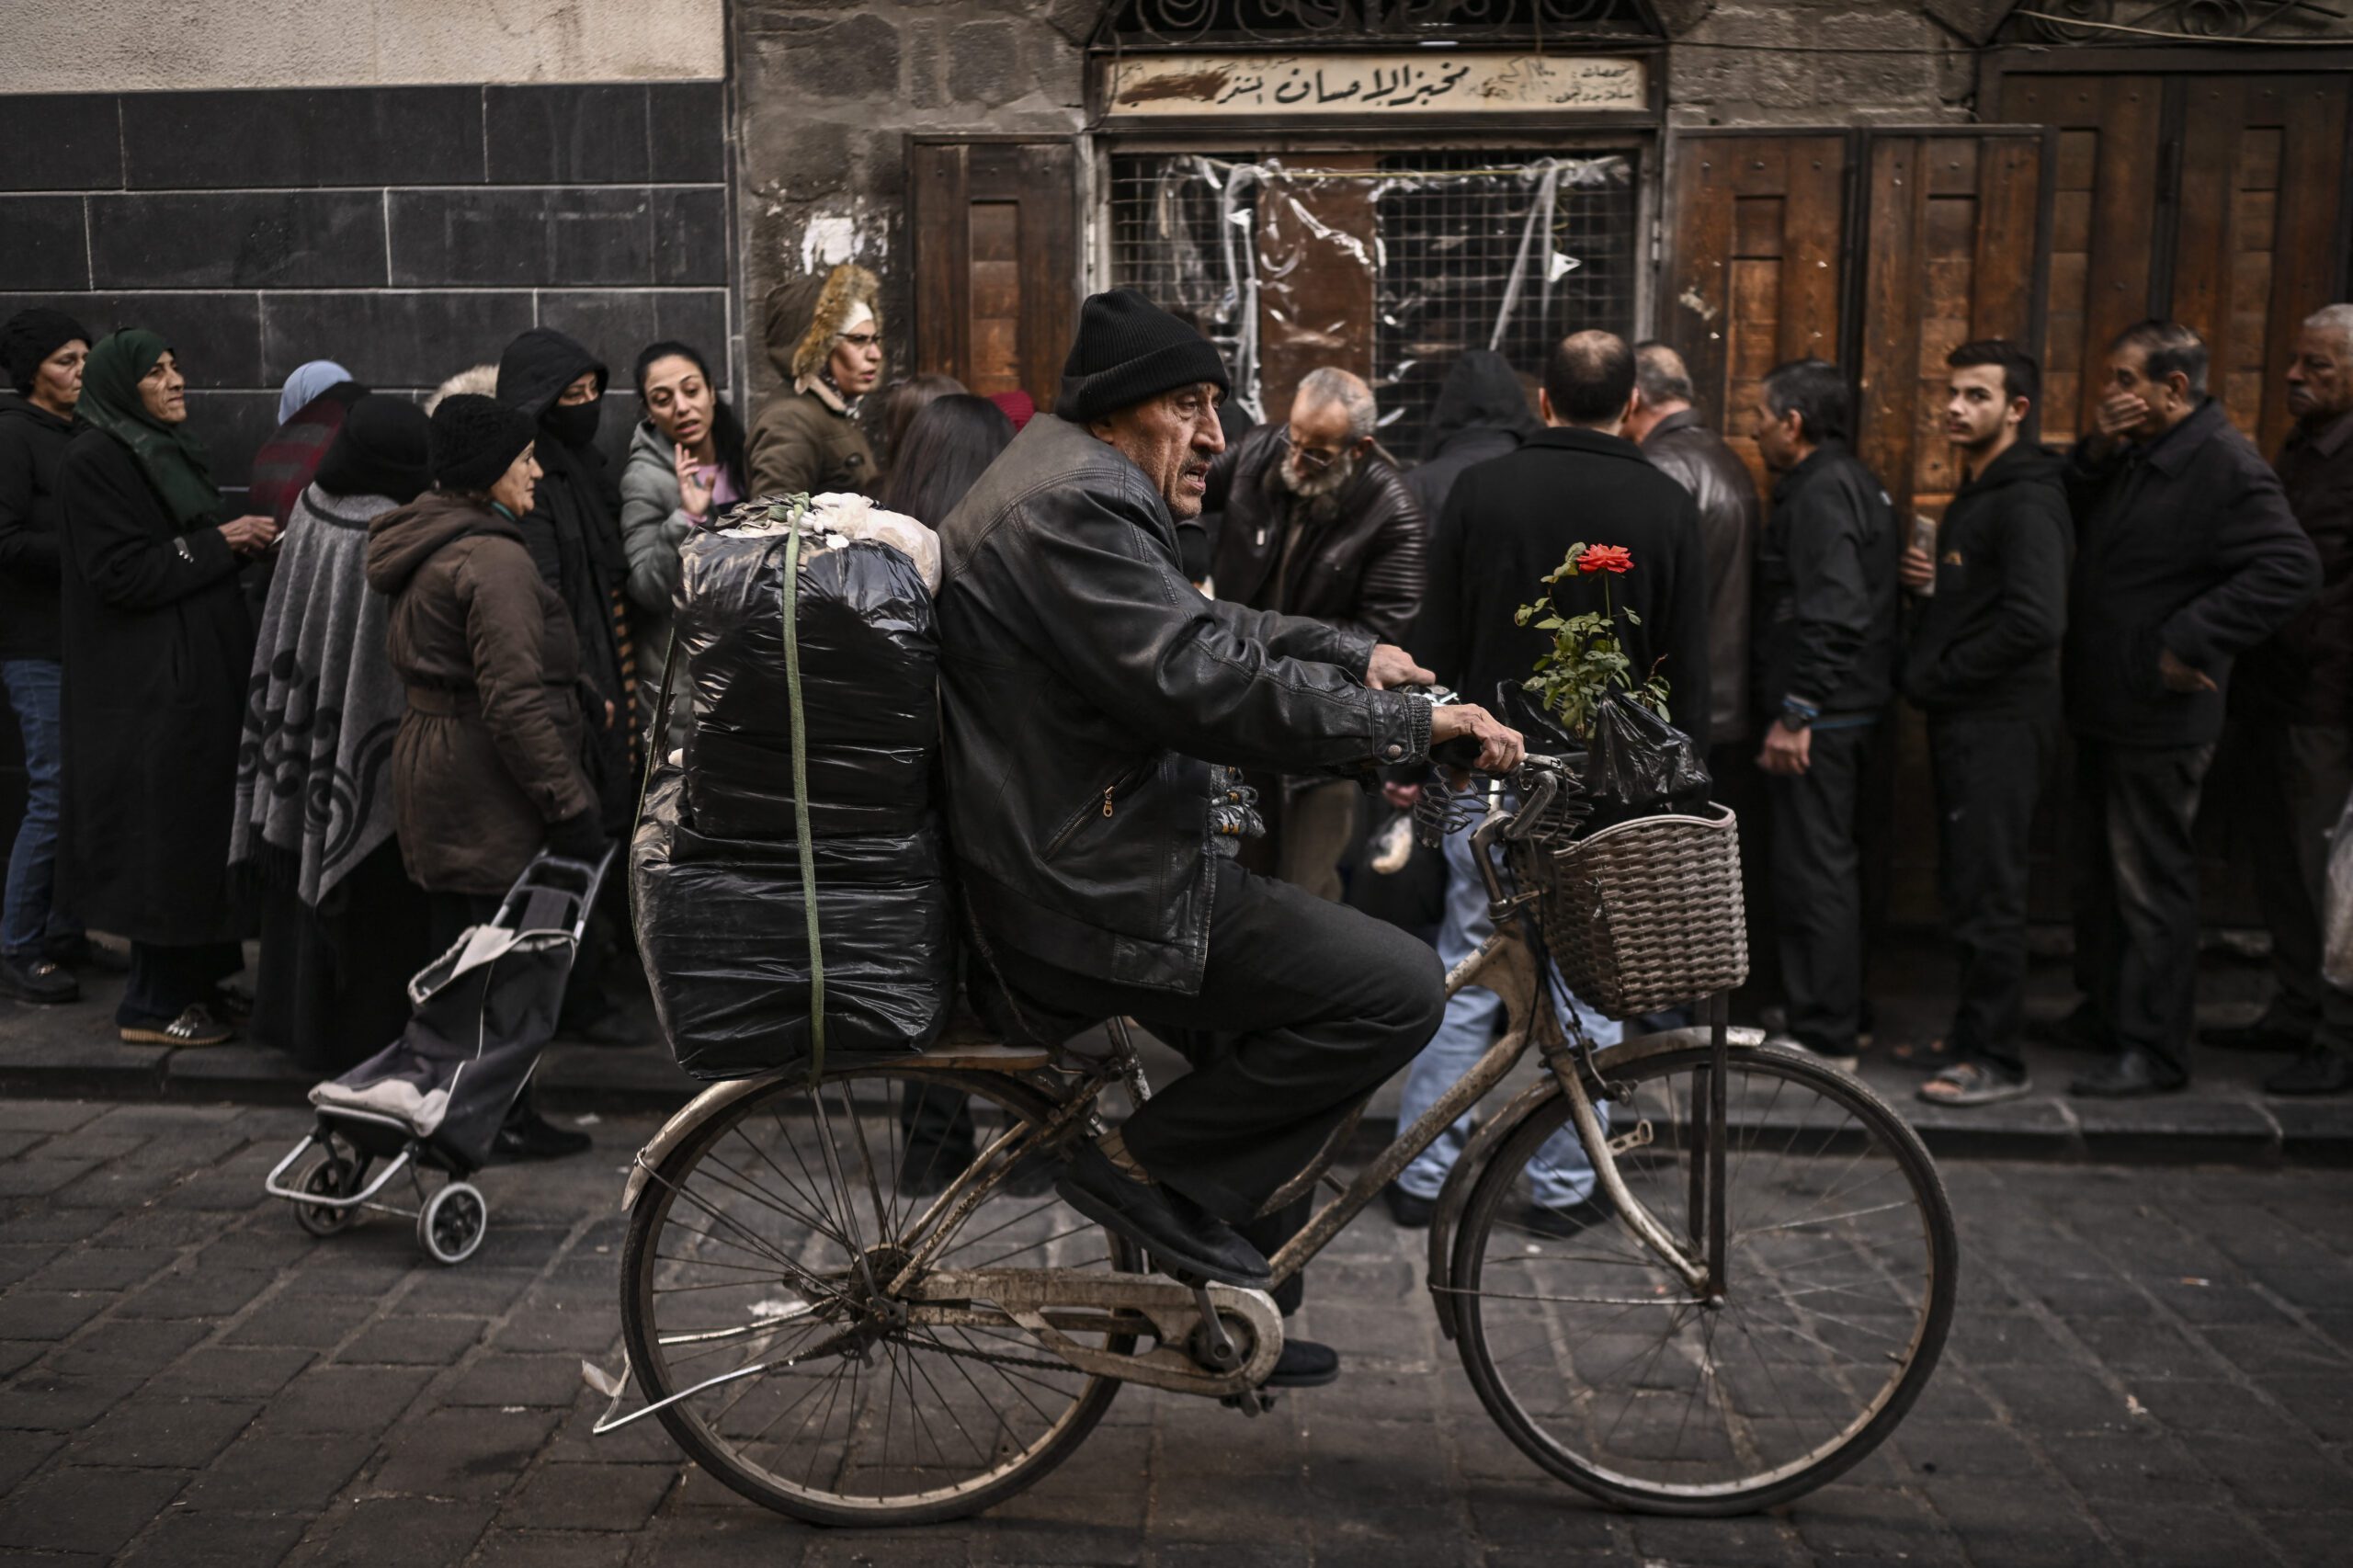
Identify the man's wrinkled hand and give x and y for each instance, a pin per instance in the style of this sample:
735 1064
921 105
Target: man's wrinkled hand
250 535
1500 746
2180 676
1391 665
1918 573
1787 751
2121 413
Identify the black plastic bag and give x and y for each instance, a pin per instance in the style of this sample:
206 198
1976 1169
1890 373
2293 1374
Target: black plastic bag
724 935
869 665
1638 765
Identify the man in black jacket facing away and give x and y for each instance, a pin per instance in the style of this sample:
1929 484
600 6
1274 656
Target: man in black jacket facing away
2187 556
1510 520
1984 666
2291 706
1825 655
1084 682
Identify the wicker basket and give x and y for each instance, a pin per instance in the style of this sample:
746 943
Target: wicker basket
1646 914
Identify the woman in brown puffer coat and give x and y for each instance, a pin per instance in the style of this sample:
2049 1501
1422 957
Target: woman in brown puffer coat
487 766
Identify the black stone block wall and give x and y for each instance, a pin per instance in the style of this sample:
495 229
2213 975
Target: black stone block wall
406 232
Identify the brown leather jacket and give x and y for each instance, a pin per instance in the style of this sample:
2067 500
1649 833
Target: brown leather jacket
1364 571
489 752
1696 458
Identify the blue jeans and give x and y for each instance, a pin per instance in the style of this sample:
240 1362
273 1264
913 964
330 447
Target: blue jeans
28 920
1474 1016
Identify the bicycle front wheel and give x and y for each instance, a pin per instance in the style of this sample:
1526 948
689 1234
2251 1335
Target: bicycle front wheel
1605 1368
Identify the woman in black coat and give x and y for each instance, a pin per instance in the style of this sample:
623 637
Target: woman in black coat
157 643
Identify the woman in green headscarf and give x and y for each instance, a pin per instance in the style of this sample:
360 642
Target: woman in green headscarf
157 645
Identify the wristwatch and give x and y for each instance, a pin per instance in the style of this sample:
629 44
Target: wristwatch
1796 715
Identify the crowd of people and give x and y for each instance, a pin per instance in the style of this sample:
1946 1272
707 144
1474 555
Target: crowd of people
344 716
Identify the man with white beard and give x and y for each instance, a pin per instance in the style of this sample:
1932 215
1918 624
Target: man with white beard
1317 522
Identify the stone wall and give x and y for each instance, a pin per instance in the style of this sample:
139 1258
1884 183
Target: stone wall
1755 80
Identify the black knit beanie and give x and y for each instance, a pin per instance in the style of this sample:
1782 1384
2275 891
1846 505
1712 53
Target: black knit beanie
474 440
384 449
1130 349
33 335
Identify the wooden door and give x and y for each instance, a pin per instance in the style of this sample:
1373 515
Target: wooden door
997 262
1757 268
2262 185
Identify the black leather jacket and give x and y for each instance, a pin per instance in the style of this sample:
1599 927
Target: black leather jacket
1696 459
1087 688
1365 569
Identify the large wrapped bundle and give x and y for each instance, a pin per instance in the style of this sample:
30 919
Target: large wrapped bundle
725 938
715 865
869 686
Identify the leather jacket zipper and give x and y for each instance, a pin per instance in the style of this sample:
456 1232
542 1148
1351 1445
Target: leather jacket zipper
1103 807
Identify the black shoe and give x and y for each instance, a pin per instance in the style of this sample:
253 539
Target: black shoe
528 1135
38 979
2079 1030
2262 1035
80 952
2131 1075
234 1003
1179 1234
2319 1070
1413 1212
1304 1365
1560 1224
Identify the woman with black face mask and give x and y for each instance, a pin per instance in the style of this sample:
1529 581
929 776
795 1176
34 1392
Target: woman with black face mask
573 534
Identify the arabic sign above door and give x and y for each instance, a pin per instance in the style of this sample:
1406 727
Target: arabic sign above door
1416 83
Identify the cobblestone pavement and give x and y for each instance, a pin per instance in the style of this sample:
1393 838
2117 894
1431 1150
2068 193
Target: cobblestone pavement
2149 1366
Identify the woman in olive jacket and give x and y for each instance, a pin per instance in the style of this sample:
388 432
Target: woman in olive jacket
487 766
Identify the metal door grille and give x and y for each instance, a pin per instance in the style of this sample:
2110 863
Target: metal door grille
1462 258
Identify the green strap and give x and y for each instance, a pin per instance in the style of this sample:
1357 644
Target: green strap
801 799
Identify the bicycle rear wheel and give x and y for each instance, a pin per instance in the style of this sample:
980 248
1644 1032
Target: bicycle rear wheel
1603 1366
753 1246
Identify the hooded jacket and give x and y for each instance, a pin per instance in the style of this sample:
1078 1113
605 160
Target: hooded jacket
1985 644
803 439
573 534
1482 412
32 441
1082 679
489 752
1362 569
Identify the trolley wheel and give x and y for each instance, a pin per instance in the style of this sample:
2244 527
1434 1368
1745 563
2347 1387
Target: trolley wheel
329 1175
453 1223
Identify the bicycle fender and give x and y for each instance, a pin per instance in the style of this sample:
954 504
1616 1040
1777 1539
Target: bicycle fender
684 1121
1457 1192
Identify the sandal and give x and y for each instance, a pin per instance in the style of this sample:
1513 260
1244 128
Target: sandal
1973 1083
195 1026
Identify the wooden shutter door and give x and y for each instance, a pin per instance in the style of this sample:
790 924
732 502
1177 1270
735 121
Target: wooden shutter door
2103 227
1755 271
997 262
2262 188
1949 253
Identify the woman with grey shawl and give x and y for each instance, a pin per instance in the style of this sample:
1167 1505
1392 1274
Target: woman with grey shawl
343 928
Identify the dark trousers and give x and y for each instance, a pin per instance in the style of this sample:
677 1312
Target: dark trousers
2136 892
1989 774
1817 888
2296 791
165 981
1306 1006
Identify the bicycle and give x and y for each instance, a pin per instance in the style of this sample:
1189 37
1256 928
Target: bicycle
851 1336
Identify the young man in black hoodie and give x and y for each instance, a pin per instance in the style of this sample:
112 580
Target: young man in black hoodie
1984 666
2186 555
1824 644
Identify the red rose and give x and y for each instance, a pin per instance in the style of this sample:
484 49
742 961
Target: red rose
1612 558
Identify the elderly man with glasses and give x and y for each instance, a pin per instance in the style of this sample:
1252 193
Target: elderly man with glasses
1317 523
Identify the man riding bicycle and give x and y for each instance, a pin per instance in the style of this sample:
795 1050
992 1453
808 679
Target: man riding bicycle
1094 703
